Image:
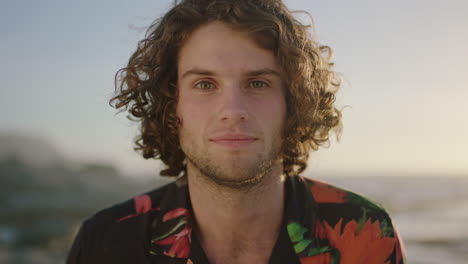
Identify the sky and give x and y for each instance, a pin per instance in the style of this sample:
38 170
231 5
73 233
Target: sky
404 65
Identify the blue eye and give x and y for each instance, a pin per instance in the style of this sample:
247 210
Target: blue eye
258 84
204 85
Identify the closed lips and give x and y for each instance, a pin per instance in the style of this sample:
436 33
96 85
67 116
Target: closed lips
233 138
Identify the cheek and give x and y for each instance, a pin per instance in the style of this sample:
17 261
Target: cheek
183 109
273 112
191 116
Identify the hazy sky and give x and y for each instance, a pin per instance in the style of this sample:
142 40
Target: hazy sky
405 64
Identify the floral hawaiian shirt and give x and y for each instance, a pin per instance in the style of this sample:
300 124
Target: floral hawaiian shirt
322 224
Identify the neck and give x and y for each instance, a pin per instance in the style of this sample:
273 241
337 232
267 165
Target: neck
241 225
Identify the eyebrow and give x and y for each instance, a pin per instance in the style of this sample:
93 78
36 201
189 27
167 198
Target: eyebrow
197 71
263 71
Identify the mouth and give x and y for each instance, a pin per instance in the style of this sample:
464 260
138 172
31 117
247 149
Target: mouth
234 140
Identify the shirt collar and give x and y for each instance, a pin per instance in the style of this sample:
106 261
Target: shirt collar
172 236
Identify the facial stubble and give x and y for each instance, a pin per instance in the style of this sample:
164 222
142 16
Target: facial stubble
242 177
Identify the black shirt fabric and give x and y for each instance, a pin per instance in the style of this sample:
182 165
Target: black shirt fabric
322 224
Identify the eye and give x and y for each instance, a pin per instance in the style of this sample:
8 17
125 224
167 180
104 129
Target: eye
258 84
204 85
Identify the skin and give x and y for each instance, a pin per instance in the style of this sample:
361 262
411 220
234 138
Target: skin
232 110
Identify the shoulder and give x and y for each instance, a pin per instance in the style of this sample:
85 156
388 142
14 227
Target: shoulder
328 195
354 224
119 231
137 206
338 207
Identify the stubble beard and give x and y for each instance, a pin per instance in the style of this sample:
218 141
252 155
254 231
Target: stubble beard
240 178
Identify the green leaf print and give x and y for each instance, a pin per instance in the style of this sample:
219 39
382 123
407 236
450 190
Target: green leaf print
296 231
362 220
387 230
299 247
316 251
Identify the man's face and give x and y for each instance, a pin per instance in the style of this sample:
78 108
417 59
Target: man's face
231 106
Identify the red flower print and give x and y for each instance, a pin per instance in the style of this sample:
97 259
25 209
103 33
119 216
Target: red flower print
180 242
142 205
324 193
176 213
367 246
320 231
317 259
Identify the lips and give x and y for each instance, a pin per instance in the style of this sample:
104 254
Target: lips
234 140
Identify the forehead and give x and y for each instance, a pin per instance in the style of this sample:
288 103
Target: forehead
218 46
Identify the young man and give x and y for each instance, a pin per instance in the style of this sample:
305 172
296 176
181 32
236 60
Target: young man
232 97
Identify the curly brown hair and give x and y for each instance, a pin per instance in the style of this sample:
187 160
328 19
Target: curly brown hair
147 86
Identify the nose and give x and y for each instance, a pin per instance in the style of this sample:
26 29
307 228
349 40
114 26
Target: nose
233 106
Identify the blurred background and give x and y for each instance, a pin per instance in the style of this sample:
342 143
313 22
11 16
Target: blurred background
64 153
